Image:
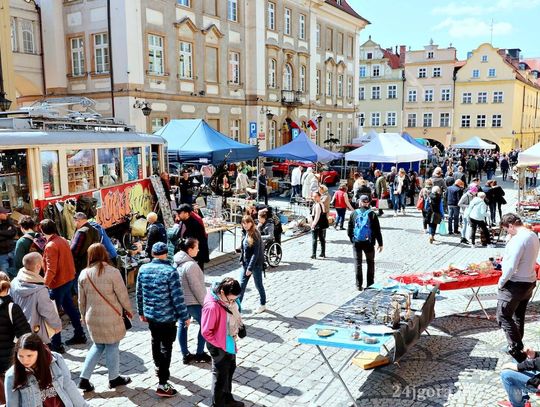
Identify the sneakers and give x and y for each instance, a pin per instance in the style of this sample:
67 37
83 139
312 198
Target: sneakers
77 340
234 403
119 381
313 257
187 359
464 241
166 390
202 358
85 385
261 309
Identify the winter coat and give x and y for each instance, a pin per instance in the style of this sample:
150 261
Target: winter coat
84 237
58 262
465 201
434 208
22 248
105 325
30 395
105 240
439 182
194 227
376 235
7 232
453 195
156 233
267 230
477 209
496 195
38 308
9 330
192 278
252 257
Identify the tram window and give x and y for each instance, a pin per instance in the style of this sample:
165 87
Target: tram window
132 163
14 191
108 166
81 170
51 173
155 159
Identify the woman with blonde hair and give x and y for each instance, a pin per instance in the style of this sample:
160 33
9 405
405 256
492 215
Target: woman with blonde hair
103 297
252 260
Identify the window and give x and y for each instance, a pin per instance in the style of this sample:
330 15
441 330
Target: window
210 7
428 95
287 28
465 120
232 10
340 41
349 133
132 163
466 97
430 55
351 47
411 120
101 53
437 72
271 16
318 81
288 77
361 93
158 123
186 60
391 92
302 27
476 73
445 95
369 55
28 43
484 58
482 97
444 120
375 92
272 67
375 119
318 35
496 120
272 130
480 120
411 97
340 86
184 3
109 166
428 119
81 170
375 70
152 159
328 129
350 87
492 72
13 33
234 68
329 80
155 55
497 97
391 119
211 64
77 56
422 72
363 71
50 170
235 130
340 132
302 78
329 39
361 119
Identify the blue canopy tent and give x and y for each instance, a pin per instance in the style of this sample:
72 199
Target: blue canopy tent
416 143
195 140
302 149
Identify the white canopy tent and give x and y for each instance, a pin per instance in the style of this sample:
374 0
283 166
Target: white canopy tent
387 148
475 143
529 157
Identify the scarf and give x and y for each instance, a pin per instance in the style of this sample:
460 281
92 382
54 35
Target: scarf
234 320
30 276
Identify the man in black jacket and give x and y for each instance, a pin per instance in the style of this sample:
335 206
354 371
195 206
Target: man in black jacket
7 244
520 379
363 231
85 236
155 232
453 195
193 226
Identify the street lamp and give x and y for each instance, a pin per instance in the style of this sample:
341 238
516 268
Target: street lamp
144 106
4 102
384 127
319 118
268 113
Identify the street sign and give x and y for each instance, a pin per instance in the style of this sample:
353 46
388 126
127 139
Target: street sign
253 141
295 133
253 130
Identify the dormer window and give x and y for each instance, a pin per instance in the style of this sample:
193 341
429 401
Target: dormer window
370 55
484 58
430 55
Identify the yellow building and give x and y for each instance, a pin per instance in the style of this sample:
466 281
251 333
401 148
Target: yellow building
497 99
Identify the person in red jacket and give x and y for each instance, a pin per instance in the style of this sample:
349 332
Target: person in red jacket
341 203
59 270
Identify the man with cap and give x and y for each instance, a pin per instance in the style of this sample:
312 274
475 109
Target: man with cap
363 231
191 225
453 195
155 232
7 244
85 236
160 302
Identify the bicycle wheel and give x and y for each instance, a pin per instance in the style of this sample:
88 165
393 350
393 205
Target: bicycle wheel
274 254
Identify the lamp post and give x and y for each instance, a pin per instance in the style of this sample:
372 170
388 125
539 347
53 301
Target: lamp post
384 127
4 102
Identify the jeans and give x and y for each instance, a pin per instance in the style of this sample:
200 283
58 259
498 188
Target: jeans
340 218
471 176
399 202
368 249
223 367
6 265
318 234
296 191
453 219
515 384
432 228
258 278
504 174
163 336
482 225
62 296
263 194
194 311
512 302
464 228
490 174
112 359
495 207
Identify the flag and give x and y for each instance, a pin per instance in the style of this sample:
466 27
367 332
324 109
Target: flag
293 125
312 123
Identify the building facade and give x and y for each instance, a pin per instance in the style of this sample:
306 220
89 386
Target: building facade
381 86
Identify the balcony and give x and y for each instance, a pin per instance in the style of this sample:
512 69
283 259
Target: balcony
291 98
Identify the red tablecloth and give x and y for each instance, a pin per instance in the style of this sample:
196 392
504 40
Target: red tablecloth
464 281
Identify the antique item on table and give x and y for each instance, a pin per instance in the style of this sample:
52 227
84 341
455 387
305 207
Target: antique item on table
396 314
355 335
368 340
325 333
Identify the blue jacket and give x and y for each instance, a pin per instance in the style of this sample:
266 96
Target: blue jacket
453 195
159 293
252 256
30 396
105 240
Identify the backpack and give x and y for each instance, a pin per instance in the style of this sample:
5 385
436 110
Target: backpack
362 226
38 243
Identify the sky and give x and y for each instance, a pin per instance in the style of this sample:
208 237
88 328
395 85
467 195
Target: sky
464 24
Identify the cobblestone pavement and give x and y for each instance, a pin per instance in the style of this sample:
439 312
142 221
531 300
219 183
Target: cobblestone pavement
457 365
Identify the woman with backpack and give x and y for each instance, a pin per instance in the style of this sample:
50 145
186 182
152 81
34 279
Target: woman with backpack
423 196
435 211
319 224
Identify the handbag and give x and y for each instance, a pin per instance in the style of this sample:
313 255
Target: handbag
443 228
123 314
420 203
383 203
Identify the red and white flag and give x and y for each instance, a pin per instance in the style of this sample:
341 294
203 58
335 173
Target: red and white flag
312 123
293 125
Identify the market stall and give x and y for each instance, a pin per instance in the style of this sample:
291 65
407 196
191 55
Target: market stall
528 204
475 143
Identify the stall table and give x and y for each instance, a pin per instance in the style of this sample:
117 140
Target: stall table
221 229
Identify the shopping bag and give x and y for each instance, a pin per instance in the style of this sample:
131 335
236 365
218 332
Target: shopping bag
443 228
383 203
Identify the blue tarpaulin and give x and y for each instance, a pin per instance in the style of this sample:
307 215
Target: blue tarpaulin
302 149
416 143
195 140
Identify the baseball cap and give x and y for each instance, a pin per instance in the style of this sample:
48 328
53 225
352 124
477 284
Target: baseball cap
365 198
159 248
4 210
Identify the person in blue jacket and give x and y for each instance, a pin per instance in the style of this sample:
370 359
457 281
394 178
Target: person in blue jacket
105 241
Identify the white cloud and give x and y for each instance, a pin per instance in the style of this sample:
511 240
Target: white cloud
462 9
472 28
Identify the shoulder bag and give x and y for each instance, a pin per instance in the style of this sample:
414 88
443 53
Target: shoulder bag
127 321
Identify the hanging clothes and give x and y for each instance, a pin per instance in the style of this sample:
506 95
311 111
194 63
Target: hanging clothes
68 212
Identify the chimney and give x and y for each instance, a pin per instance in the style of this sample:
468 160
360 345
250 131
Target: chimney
402 51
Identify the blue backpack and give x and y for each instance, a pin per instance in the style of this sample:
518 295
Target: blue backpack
362 226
